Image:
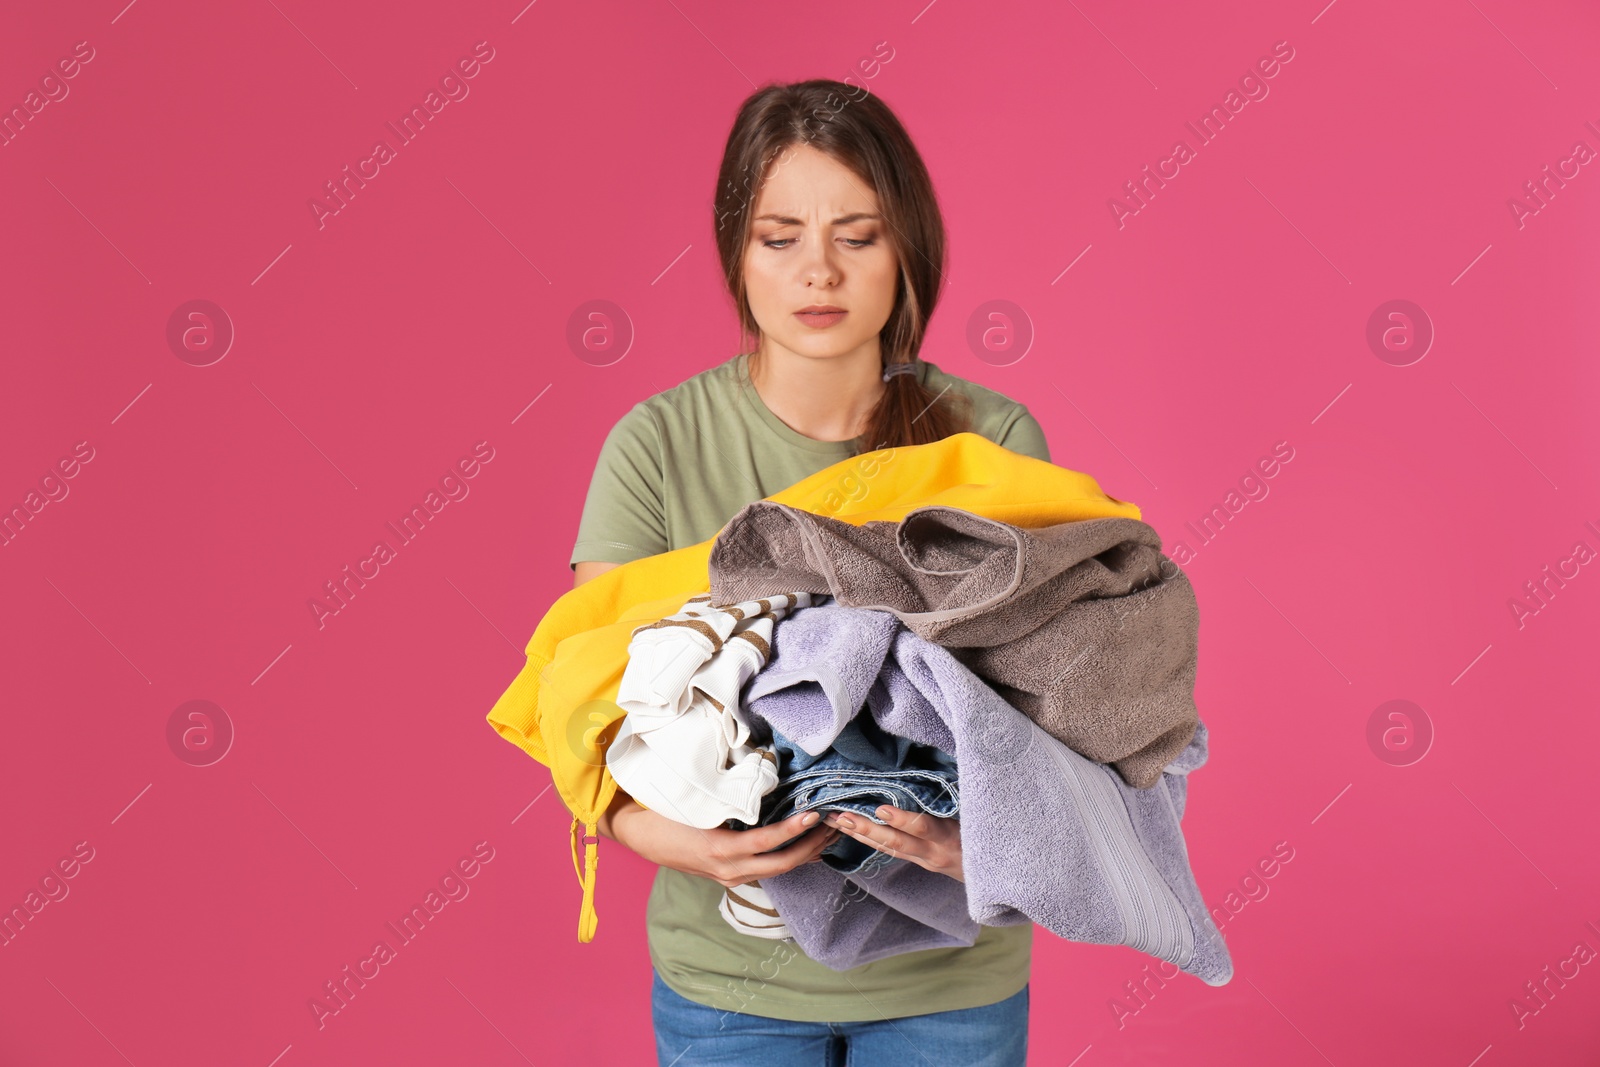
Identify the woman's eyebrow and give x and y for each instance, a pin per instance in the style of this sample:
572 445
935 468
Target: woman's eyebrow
787 220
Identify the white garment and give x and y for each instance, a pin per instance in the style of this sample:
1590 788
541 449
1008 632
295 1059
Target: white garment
749 910
683 748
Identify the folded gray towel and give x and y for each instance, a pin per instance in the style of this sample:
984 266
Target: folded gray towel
1047 835
1086 627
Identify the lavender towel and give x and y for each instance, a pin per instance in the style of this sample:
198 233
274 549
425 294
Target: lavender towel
1083 626
1047 835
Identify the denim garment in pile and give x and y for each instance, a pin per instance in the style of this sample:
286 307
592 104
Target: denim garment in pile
863 768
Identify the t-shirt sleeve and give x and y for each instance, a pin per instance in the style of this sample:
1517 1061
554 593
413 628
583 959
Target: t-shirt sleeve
624 514
1023 434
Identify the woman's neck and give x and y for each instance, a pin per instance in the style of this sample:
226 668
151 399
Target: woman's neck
826 398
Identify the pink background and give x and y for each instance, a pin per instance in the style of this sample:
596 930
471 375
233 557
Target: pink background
1229 314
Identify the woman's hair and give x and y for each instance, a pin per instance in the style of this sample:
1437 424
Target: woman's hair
858 130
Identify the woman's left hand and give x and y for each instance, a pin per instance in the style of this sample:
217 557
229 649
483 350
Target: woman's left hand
917 836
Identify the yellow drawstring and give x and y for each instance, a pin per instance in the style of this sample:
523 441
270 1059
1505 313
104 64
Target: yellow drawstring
587 918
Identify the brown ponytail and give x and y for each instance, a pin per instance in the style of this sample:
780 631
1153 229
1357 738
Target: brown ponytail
858 130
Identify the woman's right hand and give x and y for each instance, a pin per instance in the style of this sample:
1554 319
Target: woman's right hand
728 857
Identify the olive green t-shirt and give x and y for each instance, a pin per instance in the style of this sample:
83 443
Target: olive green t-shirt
672 471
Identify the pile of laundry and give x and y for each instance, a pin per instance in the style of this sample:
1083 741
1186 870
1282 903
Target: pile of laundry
1039 683
953 628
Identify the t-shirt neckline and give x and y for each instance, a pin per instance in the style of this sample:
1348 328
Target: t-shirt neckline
747 390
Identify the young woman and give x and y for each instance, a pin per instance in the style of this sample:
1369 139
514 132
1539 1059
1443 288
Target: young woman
833 249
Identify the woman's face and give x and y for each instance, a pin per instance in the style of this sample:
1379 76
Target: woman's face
816 239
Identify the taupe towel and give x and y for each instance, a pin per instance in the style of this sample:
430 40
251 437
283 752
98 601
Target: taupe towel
1085 627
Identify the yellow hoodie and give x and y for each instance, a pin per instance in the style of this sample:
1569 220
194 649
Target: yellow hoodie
561 708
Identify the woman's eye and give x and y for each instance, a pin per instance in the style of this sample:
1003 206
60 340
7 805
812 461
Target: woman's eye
853 242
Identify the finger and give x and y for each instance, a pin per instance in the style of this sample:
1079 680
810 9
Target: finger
818 840
767 864
762 838
896 818
815 838
790 839
734 851
917 824
883 838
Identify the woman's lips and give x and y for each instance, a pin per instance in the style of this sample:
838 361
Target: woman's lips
820 320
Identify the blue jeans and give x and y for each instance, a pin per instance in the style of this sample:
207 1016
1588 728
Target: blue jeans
864 743
922 779
690 1034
